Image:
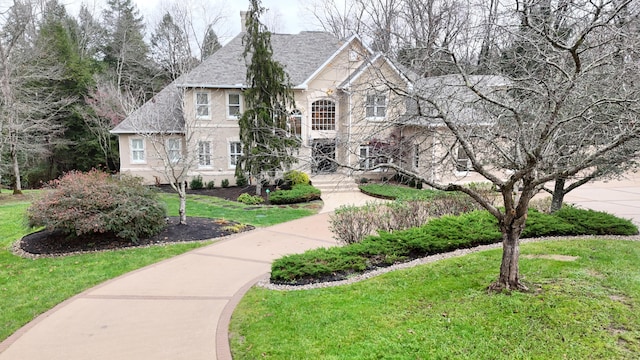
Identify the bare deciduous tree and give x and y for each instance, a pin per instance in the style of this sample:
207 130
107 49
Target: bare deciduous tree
29 109
562 103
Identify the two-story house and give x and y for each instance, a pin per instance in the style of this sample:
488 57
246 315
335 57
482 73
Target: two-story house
345 113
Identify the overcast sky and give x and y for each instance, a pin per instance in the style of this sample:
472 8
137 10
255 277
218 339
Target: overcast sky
289 14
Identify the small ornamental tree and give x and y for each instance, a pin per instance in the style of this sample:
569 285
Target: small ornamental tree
265 145
95 202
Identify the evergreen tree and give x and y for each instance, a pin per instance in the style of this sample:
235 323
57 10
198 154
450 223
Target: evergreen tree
60 38
210 44
125 52
170 49
90 35
266 148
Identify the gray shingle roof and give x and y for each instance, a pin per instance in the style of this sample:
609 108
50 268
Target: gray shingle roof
300 55
163 113
453 97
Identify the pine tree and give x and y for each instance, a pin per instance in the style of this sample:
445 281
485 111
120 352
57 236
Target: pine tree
266 148
170 48
125 52
210 44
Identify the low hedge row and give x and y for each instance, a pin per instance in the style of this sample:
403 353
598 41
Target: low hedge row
440 235
298 193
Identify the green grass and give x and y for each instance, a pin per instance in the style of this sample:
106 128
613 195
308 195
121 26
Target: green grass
388 191
262 215
31 287
582 309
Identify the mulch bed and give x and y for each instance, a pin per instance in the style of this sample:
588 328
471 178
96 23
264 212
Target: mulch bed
47 243
55 243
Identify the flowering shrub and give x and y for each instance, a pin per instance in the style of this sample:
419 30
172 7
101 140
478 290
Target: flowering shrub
94 202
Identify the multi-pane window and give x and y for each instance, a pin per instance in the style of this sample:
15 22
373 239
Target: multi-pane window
174 149
376 106
204 153
416 156
235 152
294 126
323 115
137 150
370 156
234 106
203 107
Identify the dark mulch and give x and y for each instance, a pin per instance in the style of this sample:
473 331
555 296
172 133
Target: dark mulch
228 193
56 243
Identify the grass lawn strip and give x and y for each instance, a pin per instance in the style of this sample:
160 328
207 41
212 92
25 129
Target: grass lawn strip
581 309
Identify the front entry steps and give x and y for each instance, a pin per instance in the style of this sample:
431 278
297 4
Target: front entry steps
334 183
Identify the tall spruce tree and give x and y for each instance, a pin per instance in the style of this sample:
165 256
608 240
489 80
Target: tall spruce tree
265 145
125 52
210 44
170 49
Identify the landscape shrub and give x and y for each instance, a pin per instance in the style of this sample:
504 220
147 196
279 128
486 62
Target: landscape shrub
241 180
298 193
351 224
439 235
282 184
250 199
196 183
95 202
225 183
295 177
596 222
211 184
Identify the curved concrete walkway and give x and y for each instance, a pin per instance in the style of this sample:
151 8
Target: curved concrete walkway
176 309
180 308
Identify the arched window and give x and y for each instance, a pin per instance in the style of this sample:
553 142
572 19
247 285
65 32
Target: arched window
323 115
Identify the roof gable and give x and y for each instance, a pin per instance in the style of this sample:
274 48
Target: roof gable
371 62
301 55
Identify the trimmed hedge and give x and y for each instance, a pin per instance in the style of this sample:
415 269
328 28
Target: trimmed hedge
298 193
440 235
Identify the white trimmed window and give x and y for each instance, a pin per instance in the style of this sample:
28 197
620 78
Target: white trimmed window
203 106
376 106
137 150
174 149
235 152
323 115
370 156
234 105
204 153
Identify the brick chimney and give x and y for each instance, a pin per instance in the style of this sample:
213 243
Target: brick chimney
243 21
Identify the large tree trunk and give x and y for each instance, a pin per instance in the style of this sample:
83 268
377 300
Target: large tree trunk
558 195
511 228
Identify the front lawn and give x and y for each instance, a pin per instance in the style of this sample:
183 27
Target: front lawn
583 306
31 287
